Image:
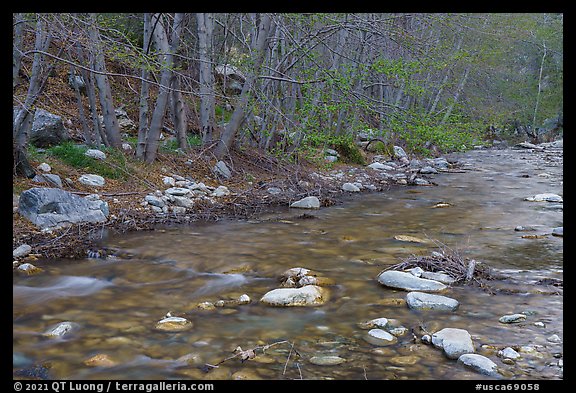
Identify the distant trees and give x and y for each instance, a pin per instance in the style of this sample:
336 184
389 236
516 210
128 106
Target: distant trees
309 78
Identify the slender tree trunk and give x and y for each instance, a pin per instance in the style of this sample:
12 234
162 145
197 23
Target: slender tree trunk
178 110
23 118
153 138
456 95
539 89
207 100
105 93
144 92
19 23
223 147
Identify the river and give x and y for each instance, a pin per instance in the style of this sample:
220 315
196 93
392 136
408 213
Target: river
117 302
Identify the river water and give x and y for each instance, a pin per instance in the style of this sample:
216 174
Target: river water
117 302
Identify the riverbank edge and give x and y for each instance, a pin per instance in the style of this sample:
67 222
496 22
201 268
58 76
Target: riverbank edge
247 201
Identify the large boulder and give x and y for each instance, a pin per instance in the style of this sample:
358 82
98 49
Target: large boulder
408 282
53 207
47 129
428 301
309 295
454 342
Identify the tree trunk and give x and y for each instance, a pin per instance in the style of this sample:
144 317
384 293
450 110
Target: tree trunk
105 93
207 100
153 138
223 147
144 92
456 96
19 23
22 120
180 120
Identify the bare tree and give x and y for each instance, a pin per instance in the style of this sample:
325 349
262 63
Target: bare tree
207 100
168 49
259 41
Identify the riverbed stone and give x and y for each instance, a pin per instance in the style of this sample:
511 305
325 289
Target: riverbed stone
438 276
380 337
29 269
558 231
309 295
480 364
61 329
174 324
427 301
453 341
408 282
309 202
380 323
508 353
512 318
327 360
545 197
100 360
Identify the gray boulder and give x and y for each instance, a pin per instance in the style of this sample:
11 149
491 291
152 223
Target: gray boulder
48 178
310 202
480 364
427 301
221 170
92 180
309 295
408 282
47 129
454 342
53 207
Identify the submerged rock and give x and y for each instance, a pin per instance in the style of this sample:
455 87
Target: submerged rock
512 318
309 295
427 301
454 342
408 282
327 360
61 329
480 364
380 337
174 324
546 197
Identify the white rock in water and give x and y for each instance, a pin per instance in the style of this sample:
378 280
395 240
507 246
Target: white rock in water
350 187
508 353
554 339
173 324
380 337
427 301
454 342
407 282
310 202
512 318
92 180
546 197
61 329
95 153
309 295
480 364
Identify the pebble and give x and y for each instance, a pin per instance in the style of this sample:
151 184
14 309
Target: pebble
380 337
328 360
479 363
173 324
512 318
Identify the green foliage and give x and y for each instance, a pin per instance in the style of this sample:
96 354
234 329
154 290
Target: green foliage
171 145
73 155
348 150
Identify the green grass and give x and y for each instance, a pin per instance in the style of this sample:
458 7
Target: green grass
73 155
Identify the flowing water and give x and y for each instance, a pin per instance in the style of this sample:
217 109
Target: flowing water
117 302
